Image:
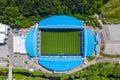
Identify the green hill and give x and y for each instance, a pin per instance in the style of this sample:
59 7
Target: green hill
111 11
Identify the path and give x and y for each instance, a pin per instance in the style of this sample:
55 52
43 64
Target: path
10 47
38 67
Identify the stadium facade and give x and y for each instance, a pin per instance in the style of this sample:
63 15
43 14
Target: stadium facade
89 43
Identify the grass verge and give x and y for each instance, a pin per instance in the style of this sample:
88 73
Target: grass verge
109 56
111 11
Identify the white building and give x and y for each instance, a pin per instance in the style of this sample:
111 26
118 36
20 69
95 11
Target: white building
2 38
19 44
4 31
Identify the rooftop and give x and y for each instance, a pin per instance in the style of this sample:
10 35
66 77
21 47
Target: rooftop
2 38
19 44
61 22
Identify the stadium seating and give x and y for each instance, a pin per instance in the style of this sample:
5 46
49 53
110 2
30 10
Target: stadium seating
97 48
96 37
97 43
61 63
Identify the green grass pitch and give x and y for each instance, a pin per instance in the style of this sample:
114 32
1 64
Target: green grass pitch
60 42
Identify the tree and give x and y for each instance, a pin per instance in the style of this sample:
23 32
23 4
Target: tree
94 78
25 9
116 72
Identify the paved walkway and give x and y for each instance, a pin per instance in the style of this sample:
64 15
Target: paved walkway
10 47
35 65
81 67
108 60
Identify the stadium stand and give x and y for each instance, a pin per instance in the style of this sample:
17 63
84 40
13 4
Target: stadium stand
31 43
97 43
61 22
39 43
97 48
88 42
96 37
60 64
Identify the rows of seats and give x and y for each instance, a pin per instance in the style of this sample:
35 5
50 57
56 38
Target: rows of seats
97 43
96 37
97 48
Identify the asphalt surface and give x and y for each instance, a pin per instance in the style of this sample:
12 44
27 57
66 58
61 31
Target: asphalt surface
10 48
112 39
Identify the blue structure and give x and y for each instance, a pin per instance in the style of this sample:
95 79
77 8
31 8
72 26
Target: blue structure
88 42
97 43
31 43
61 22
60 63
15 31
96 37
97 48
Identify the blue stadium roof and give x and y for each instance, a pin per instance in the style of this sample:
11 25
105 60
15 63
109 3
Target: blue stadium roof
60 64
88 42
31 43
61 22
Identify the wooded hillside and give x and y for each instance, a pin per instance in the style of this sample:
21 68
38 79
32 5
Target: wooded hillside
23 13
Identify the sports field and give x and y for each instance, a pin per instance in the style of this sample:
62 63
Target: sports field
60 42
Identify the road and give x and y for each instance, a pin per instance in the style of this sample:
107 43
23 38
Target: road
108 60
10 48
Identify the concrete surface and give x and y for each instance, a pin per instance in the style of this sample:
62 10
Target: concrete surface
112 39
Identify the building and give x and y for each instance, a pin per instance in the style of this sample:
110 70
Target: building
4 31
60 43
19 44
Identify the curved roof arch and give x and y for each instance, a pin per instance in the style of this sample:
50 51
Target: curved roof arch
61 22
31 43
88 42
60 64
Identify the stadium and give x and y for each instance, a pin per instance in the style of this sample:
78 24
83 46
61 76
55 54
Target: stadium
61 43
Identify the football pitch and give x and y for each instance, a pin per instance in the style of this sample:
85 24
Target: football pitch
60 42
